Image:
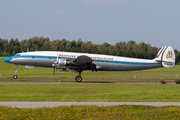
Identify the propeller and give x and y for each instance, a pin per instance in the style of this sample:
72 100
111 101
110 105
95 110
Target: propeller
53 71
56 62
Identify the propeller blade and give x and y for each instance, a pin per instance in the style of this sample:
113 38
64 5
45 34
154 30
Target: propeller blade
56 62
57 57
53 71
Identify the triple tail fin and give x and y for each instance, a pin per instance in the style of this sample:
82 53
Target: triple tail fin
166 56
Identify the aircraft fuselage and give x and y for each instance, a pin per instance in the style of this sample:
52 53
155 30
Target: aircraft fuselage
102 62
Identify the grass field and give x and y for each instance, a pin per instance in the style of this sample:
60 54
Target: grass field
92 113
87 91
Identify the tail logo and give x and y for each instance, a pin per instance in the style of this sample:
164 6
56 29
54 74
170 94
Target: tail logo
169 55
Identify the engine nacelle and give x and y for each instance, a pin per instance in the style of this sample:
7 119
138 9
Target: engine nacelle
62 62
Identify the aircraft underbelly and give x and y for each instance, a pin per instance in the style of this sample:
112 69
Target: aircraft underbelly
124 67
43 62
34 62
99 65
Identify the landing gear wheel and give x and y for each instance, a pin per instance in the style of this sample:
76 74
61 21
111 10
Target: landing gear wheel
15 76
78 78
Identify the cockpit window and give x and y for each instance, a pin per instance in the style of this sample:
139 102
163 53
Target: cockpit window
17 55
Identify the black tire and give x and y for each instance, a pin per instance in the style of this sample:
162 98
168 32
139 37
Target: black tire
78 78
15 76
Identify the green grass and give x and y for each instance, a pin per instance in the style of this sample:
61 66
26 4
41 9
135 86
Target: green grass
88 92
92 113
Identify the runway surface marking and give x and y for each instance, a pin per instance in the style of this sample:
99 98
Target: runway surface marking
57 104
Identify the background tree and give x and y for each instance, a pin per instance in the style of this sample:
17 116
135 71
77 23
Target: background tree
129 49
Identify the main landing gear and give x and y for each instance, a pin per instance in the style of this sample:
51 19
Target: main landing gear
78 78
15 76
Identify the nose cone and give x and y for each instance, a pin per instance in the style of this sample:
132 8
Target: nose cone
8 59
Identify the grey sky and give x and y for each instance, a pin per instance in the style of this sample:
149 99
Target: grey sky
155 22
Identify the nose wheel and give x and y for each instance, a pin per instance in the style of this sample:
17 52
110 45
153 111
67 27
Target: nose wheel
78 78
15 76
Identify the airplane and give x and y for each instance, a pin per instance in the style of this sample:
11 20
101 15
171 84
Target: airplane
78 62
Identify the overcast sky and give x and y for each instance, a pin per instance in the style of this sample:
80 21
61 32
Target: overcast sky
155 22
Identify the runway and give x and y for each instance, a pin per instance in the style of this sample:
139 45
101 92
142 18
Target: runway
84 82
14 104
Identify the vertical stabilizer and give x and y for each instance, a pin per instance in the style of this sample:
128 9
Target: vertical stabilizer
166 56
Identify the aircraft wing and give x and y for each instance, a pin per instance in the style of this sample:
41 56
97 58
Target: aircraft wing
83 63
82 60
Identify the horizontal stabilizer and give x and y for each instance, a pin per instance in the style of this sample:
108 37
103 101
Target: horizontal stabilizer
166 56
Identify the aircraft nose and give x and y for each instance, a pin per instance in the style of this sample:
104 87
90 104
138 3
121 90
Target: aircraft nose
8 59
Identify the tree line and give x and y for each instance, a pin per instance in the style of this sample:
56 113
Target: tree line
126 49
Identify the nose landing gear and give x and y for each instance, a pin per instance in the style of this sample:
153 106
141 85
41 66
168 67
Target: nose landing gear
15 76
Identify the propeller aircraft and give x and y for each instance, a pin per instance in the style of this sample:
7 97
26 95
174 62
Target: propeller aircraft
78 62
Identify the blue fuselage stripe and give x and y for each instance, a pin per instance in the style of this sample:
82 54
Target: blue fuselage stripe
95 60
